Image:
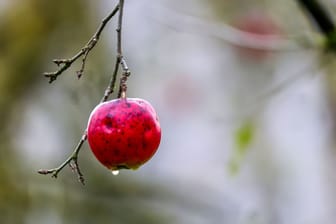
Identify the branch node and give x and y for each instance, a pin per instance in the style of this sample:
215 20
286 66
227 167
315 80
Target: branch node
58 62
51 75
79 74
44 172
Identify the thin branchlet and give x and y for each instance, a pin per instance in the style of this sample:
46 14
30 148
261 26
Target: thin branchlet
110 88
72 160
64 64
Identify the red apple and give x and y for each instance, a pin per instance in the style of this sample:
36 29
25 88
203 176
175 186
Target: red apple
124 133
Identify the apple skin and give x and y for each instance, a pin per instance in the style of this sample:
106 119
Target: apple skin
124 133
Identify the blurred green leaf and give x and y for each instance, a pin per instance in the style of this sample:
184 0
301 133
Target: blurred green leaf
244 136
243 139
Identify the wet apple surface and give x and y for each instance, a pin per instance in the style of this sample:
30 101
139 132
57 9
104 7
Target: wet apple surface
124 133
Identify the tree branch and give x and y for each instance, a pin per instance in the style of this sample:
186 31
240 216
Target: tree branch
323 20
66 63
231 35
72 160
320 15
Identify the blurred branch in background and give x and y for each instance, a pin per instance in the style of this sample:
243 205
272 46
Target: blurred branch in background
319 14
272 42
321 17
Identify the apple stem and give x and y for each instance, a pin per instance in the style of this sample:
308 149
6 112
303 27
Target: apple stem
123 95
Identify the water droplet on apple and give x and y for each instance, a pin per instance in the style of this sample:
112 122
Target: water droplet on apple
115 172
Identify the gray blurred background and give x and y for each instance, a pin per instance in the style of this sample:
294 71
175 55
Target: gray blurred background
248 135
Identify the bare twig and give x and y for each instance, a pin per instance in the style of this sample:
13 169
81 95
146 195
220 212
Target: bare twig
111 86
66 63
320 15
72 160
